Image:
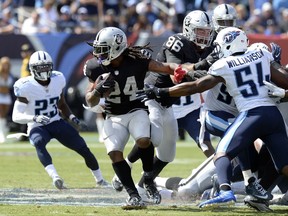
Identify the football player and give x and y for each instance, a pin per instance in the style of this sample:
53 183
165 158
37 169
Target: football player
40 104
258 116
189 46
126 68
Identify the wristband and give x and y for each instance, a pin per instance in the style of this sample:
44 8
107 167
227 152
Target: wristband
163 92
71 116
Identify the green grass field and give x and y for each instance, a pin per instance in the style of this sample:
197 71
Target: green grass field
21 171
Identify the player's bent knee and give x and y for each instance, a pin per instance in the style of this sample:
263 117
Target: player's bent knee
143 142
219 155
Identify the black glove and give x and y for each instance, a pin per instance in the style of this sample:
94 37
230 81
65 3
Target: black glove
194 75
149 92
146 53
104 85
207 62
276 52
78 124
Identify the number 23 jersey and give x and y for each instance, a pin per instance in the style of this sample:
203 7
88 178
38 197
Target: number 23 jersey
42 100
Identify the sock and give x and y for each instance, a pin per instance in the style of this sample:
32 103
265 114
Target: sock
129 162
134 154
97 175
247 174
157 168
51 170
146 156
123 172
224 172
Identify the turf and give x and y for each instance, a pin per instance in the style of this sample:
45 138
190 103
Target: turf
26 189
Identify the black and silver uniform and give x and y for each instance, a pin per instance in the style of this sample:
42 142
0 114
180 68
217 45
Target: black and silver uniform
177 49
129 77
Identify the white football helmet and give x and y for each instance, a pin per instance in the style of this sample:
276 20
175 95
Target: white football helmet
229 41
41 65
224 15
109 43
198 28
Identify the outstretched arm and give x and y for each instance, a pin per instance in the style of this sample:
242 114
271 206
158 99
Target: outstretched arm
198 86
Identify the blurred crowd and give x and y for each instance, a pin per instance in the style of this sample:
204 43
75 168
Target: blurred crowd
157 17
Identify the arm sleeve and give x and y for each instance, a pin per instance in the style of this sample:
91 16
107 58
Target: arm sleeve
18 114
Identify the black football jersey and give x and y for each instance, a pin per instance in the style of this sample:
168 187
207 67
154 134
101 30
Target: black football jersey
129 78
177 49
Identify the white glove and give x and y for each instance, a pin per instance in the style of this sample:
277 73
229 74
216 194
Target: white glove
274 90
41 119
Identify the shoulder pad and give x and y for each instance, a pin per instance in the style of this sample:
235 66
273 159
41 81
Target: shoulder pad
221 63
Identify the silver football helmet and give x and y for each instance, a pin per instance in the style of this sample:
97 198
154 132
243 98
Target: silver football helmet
229 41
198 28
224 15
41 65
109 43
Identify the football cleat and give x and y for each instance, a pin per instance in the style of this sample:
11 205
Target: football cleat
258 204
134 203
152 192
58 183
103 183
225 198
117 184
256 190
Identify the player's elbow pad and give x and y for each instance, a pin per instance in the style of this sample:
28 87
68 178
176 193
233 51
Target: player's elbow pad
18 114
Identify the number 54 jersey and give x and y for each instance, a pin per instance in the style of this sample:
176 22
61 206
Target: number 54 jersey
42 100
244 75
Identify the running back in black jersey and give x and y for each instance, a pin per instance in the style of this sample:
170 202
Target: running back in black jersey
177 49
129 78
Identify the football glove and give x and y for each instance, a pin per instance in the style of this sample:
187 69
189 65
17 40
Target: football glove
179 74
105 85
276 52
41 119
194 75
149 92
146 53
274 91
78 124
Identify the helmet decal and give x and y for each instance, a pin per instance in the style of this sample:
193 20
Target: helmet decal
228 38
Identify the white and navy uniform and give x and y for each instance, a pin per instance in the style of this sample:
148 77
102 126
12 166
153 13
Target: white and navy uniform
125 115
258 116
220 110
43 100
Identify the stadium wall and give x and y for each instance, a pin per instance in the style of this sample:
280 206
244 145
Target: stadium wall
70 51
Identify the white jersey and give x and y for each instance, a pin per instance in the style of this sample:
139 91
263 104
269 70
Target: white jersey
218 99
187 105
244 75
42 100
